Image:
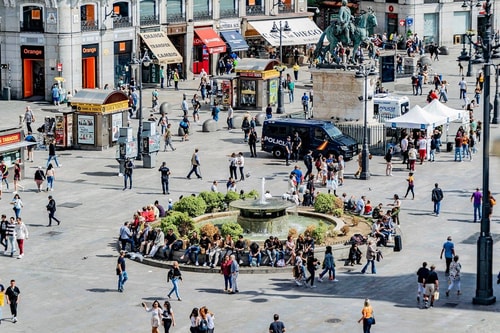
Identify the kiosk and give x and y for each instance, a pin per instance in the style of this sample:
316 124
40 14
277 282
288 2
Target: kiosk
257 83
99 114
12 146
127 147
227 90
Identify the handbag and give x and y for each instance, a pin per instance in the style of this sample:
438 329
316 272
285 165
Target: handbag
373 320
436 295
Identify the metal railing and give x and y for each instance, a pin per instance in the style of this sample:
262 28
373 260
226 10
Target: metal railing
255 10
89 25
377 139
176 18
202 15
32 27
224 13
149 20
122 22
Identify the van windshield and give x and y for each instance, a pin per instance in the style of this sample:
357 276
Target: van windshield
333 131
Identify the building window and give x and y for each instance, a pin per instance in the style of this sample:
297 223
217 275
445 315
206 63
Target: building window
32 19
88 17
287 7
148 12
122 12
202 10
176 11
255 7
228 8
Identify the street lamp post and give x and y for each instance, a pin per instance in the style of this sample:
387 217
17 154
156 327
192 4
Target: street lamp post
137 64
496 102
275 29
484 276
365 152
470 4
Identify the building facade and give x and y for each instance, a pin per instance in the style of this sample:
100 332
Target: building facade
90 44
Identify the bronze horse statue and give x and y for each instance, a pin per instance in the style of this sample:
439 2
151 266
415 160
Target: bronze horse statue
359 33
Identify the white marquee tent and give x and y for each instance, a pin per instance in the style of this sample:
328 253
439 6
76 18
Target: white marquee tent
439 109
417 118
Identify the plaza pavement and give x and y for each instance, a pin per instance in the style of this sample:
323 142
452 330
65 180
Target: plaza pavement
67 277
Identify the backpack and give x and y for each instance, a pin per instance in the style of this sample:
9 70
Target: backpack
170 274
203 326
177 245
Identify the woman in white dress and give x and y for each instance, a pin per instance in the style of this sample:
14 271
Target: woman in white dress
156 315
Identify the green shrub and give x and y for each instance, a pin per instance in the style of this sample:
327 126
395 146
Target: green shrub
167 224
193 206
319 233
338 212
231 228
231 196
181 221
253 194
213 200
324 203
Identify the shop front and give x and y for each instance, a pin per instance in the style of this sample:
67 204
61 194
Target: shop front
301 32
123 57
257 83
206 43
99 114
162 51
33 60
177 35
12 147
90 56
234 40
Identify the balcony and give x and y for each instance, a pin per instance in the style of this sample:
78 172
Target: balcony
149 20
89 25
31 26
122 22
176 18
225 13
202 15
255 10
286 9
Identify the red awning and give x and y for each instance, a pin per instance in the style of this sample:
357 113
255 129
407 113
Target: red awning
210 38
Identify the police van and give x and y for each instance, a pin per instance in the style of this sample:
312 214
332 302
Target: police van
387 106
320 136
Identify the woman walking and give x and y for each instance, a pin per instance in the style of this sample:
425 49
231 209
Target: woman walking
51 176
156 315
367 316
39 178
175 275
371 254
233 162
18 204
167 316
209 317
411 186
17 176
388 160
329 266
194 317
21 234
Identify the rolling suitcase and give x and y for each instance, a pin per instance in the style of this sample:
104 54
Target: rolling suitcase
398 244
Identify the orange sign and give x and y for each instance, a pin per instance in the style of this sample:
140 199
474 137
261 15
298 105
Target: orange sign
10 139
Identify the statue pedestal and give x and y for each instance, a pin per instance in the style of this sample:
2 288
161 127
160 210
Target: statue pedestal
337 95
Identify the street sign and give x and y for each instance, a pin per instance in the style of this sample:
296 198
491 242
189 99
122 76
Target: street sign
409 21
59 67
402 22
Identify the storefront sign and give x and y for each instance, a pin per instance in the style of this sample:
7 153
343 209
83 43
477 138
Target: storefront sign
250 74
176 30
90 50
32 52
86 133
229 25
302 31
97 108
161 47
10 139
123 47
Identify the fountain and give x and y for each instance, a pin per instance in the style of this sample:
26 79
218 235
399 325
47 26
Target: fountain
264 216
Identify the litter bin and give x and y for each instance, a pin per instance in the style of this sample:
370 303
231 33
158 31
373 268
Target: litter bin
449 147
6 93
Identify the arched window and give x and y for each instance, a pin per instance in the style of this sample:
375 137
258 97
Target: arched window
32 18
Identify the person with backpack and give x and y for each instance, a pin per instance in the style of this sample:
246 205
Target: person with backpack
437 196
206 321
174 275
167 316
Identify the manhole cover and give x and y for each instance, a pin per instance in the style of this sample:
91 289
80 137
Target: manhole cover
450 305
52 233
333 321
65 154
79 181
472 239
259 300
70 204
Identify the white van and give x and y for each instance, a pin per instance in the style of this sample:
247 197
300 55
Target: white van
387 106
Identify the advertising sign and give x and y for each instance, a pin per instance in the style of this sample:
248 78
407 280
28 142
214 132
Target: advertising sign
86 134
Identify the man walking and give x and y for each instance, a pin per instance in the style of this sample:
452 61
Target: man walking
184 106
165 173
13 299
277 326
437 196
296 146
121 272
235 268
52 154
127 175
51 209
422 274
29 118
431 285
308 161
252 142
449 252
195 164
477 198
3 231
168 138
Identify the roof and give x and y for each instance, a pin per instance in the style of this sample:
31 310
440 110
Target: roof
292 121
252 64
98 96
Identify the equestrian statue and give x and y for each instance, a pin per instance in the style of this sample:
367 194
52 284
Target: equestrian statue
343 30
